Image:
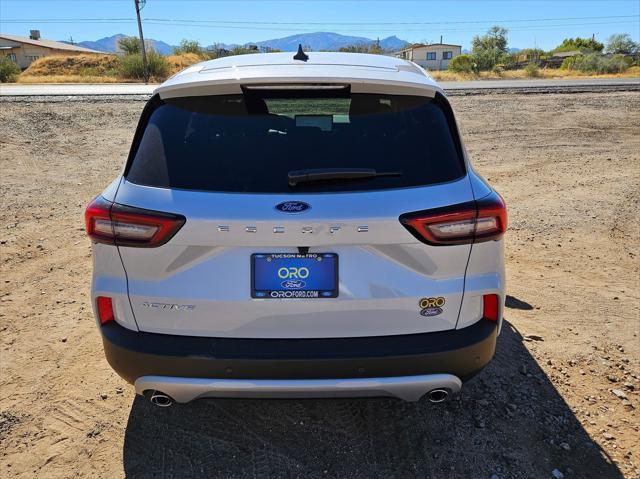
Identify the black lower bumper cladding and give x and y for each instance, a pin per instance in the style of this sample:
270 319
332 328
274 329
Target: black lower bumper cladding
463 352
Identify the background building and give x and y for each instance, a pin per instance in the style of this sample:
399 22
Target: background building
435 56
24 50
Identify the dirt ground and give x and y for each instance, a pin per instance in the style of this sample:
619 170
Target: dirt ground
561 395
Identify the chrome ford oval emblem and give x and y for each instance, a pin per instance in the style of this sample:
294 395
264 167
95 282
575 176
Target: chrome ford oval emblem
293 206
433 311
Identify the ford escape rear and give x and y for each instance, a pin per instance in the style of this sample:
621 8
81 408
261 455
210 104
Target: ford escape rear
298 228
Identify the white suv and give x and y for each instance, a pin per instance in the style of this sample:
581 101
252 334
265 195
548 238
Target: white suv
298 226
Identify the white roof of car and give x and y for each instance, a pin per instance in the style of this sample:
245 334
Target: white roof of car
365 73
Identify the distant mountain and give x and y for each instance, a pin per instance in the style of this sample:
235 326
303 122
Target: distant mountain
314 41
110 44
327 41
393 43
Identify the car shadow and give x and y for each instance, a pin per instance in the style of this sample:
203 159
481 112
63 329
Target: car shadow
515 303
509 421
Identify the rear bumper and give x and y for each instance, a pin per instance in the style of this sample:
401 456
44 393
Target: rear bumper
409 388
271 363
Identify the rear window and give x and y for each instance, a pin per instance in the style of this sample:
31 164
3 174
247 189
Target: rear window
249 143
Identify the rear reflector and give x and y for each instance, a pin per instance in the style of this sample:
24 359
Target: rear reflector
472 222
112 223
490 307
105 309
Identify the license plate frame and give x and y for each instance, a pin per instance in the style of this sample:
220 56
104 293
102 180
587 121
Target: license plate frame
294 275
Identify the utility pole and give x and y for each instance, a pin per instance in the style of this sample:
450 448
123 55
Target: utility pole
145 70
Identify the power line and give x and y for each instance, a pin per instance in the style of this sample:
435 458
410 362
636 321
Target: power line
329 23
526 28
333 1
455 22
281 27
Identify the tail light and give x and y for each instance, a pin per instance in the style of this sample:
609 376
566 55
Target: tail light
112 223
490 307
105 309
472 222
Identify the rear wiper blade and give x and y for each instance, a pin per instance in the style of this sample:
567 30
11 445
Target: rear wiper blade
329 174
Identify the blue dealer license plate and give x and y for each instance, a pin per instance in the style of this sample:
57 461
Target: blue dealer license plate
294 275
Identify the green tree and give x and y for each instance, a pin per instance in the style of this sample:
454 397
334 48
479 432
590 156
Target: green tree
240 50
585 45
495 39
267 49
358 48
621 43
129 45
373 48
189 46
490 49
217 50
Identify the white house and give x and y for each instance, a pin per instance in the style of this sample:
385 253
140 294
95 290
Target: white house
435 56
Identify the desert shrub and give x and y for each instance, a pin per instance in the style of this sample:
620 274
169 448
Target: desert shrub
570 63
626 59
461 64
497 70
9 70
592 64
532 70
485 60
595 63
511 62
132 67
189 46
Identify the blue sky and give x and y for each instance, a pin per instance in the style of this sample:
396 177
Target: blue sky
542 23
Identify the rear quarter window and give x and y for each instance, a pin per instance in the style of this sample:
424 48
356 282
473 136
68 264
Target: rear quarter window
235 143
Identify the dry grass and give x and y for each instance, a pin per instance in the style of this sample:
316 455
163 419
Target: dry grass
521 74
180 62
63 66
93 68
73 79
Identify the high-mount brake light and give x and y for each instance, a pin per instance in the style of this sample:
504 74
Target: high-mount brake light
472 222
112 223
296 86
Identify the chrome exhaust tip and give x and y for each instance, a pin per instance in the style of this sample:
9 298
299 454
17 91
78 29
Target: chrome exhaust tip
160 399
438 395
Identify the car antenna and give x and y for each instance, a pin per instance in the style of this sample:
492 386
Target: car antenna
301 55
